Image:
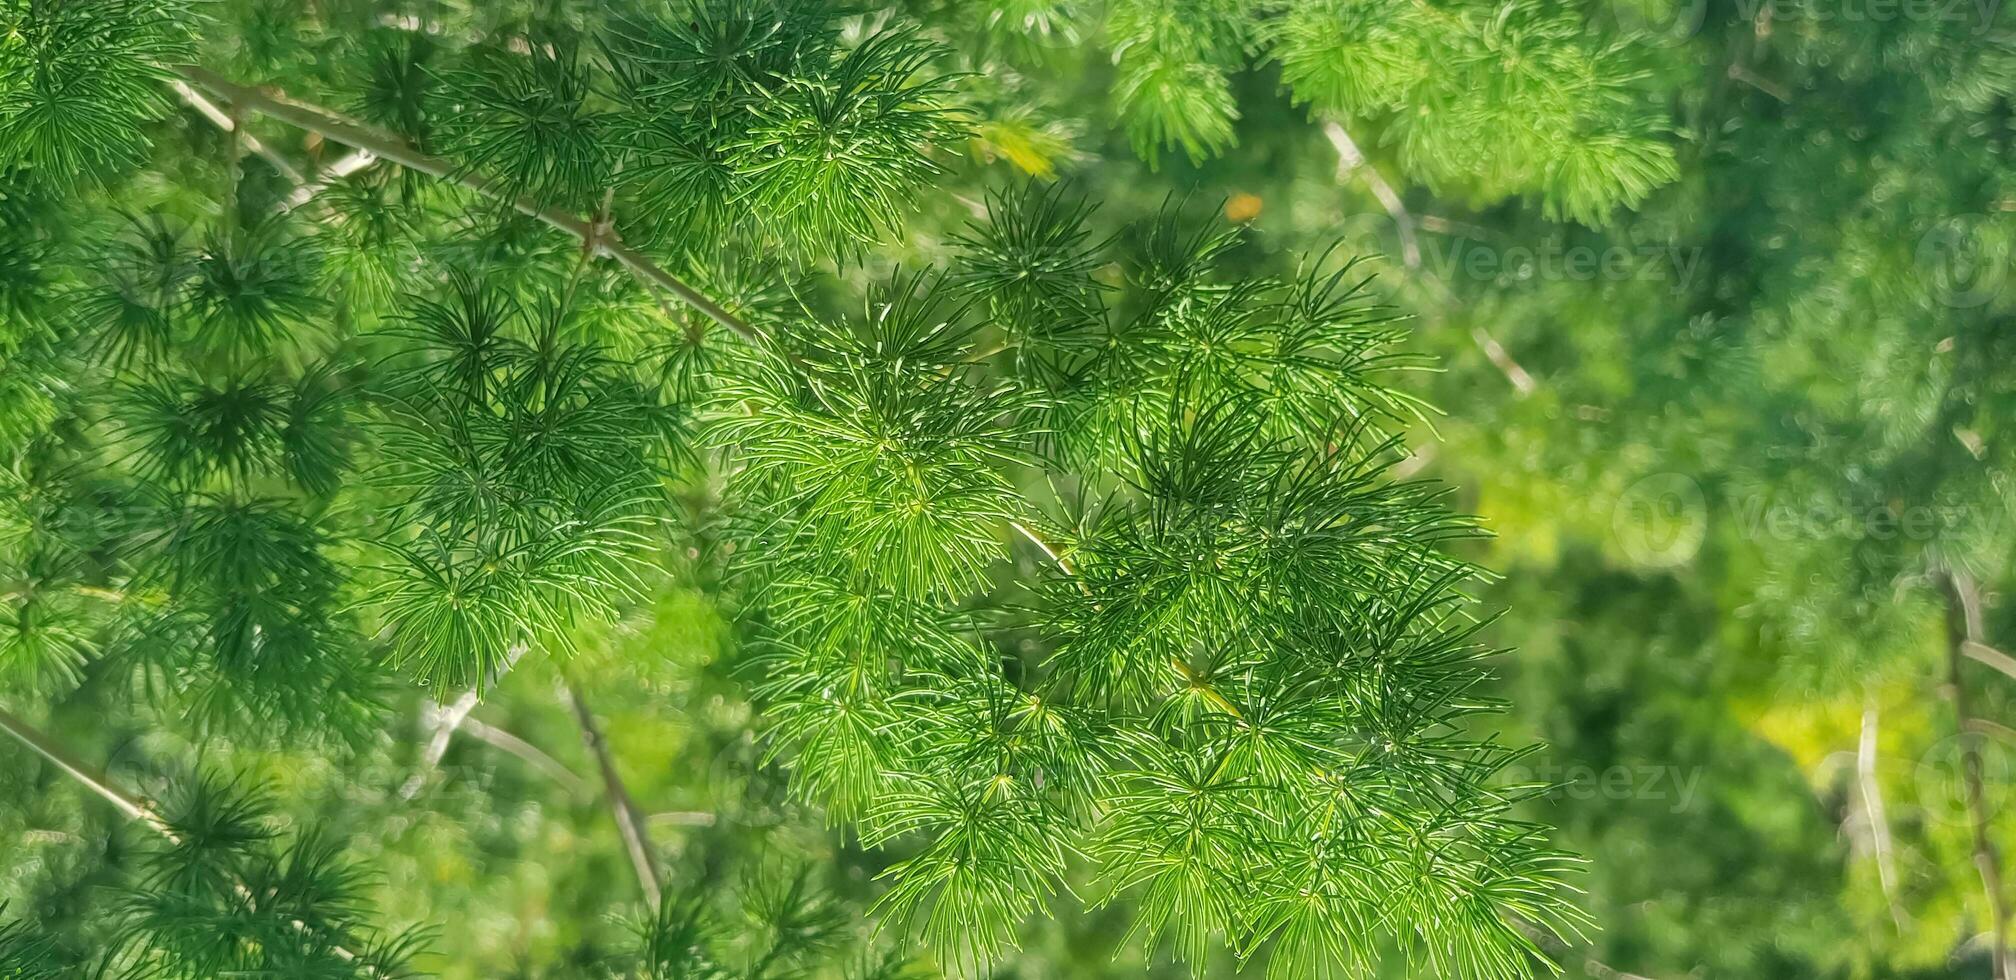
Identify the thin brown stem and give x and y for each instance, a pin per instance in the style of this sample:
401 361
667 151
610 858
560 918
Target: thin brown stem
92 778
1874 813
328 176
1351 161
601 241
133 807
629 821
224 121
446 720
1984 654
1963 626
532 755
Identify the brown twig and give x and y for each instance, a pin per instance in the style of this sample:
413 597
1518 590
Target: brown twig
1760 83
1982 653
629 821
1963 627
224 121
133 807
1874 813
1351 162
355 161
1503 361
447 720
90 776
332 126
532 755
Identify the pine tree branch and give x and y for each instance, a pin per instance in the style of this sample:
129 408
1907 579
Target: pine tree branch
1198 682
629 821
387 146
222 120
133 807
1963 626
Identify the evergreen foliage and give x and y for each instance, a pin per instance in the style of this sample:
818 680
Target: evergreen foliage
702 447
1073 567
1475 99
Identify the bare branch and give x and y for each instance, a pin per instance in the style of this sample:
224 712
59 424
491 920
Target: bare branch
1963 627
446 721
222 120
629 822
1350 162
1496 353
91 776
1873 812
355 161
533 756
1982 653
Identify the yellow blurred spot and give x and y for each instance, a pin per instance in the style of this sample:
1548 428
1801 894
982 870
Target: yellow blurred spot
1242 207
1030 149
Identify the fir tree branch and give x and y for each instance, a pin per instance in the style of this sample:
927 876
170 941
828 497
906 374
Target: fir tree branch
1963 626
1198 682
331 126
629 821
